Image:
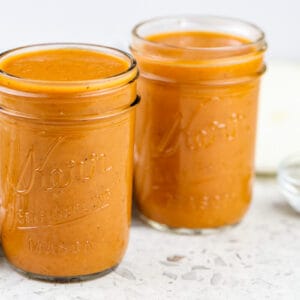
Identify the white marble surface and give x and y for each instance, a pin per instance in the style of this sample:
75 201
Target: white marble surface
259 259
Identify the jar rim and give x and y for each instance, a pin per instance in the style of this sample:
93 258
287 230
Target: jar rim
259 42
94 84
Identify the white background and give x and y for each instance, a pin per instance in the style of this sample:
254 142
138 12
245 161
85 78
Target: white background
109 22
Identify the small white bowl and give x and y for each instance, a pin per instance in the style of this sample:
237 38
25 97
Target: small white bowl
289 179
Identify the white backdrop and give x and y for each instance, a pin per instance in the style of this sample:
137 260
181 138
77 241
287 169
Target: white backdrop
109 22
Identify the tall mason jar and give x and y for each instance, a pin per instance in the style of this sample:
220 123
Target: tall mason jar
67 114
195 132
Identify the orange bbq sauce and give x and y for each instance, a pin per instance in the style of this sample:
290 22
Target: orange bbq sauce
65 186
195 131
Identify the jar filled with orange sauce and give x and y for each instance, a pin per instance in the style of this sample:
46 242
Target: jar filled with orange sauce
195 131
67 114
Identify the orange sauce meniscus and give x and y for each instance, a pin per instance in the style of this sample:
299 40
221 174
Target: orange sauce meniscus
66 126
195 131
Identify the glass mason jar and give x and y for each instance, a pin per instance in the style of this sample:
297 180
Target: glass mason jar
195 131
66 167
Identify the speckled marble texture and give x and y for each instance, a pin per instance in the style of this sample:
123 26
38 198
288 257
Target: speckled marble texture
258 259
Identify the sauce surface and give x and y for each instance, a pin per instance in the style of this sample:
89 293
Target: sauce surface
197 39
65 186
195 131
64 65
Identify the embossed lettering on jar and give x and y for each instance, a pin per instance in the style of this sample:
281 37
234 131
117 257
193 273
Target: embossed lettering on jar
195 134
66 124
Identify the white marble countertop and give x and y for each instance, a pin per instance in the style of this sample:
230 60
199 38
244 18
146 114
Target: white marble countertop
258 259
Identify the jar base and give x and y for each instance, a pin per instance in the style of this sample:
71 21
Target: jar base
181 230
63 279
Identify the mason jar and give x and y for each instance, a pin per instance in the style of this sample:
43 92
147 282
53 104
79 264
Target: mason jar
67 114
195 132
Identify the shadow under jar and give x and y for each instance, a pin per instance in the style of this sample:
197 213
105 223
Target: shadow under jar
66 134
195 131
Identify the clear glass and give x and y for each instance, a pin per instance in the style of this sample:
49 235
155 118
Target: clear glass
66 170
289 180
196 125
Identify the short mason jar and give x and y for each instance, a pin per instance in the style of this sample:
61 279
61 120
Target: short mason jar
66 168
195 130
